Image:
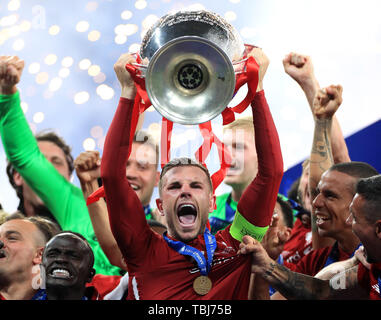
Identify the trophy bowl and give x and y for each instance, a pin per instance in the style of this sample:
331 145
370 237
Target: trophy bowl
190 77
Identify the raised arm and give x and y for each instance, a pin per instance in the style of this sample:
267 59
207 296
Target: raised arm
126 215
326 103
300 68
21 148
255 208
87 167
63 199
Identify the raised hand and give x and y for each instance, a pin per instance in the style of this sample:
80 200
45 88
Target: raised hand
124 77
299 67
327 101
263 62
11 68
87 166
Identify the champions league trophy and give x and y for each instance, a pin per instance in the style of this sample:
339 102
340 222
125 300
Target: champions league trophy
193 58
190 65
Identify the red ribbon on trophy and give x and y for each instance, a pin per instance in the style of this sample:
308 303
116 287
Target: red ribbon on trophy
249 75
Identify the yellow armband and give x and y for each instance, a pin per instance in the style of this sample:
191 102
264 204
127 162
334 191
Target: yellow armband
241 227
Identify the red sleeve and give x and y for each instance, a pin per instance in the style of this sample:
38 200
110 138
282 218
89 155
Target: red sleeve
103 285
126 214
258 201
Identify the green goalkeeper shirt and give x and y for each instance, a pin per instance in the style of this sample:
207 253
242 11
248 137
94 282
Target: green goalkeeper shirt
64 200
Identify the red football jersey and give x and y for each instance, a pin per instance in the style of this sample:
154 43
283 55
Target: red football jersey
165 274
100 286
157 271
313 262
299 244
370 279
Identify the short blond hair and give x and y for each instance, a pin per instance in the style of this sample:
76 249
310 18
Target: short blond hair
245 123
3 216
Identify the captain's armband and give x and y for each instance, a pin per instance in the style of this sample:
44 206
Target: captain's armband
241 227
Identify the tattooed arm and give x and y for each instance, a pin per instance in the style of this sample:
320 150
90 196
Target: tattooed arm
300 68
297 286
293 285
325 104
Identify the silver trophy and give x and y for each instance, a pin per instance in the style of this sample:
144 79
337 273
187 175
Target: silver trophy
190 76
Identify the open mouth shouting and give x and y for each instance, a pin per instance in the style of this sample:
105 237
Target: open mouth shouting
187 215
2 254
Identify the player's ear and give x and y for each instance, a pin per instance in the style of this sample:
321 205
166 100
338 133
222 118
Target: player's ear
17 179
159 205
212 203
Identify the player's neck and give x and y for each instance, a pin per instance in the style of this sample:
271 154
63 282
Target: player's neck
237 193
64 294
29 209
18 291
348 243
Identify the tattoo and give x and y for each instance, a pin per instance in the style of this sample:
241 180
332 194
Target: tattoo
328 145
294 285
351 277
268 273
321 153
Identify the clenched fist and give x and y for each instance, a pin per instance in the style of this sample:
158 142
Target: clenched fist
11 68
299 67
87 166
327 101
